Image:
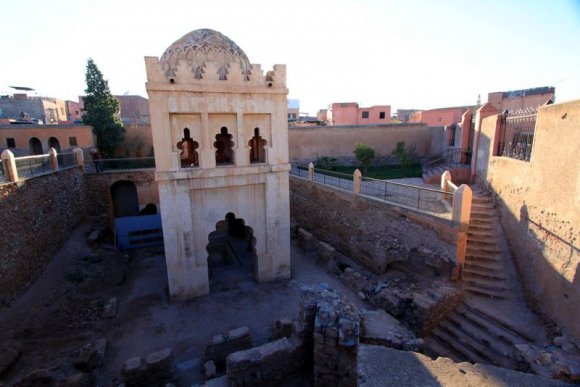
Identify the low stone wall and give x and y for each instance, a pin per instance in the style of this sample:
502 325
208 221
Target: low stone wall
223 345
37 216
267 365
372 233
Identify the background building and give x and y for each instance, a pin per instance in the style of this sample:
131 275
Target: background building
350 113
521 99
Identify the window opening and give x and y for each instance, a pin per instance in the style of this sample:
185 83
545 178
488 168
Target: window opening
188 156
257 148
224 154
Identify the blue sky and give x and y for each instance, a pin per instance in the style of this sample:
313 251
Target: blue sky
403 53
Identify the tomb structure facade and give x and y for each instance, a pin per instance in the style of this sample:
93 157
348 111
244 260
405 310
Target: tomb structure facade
220 135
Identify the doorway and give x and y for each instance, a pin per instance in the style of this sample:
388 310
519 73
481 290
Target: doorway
232 254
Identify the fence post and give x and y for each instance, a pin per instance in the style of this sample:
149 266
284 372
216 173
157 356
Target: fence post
53 159
10 164
461 214
356 182
79 158
311 172
445 178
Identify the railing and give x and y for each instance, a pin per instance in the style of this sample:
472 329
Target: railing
66 160
518 134
129 163
31 166
450 157
3 172
421 198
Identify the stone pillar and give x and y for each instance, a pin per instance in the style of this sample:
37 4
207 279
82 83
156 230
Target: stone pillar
53 159
483 112
79 158
461 214
310 172
357 182
10 165
465 128
445 177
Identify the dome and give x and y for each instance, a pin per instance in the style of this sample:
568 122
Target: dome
201 46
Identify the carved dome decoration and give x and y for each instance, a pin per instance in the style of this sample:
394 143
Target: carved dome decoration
201 46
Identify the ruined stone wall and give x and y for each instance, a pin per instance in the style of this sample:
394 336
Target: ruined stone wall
37 216
369 231
538 203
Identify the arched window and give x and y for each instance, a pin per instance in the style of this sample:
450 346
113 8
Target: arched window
257 148
224 154
189 157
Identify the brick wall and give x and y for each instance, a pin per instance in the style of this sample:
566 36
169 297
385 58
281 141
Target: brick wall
37 216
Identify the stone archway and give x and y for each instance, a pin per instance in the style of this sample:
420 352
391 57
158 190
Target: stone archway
232 257
54 143
35 146
125 199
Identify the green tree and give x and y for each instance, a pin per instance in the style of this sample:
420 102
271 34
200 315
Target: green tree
101 111
404 153
365 155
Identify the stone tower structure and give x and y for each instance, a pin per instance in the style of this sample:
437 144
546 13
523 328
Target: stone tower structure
220 134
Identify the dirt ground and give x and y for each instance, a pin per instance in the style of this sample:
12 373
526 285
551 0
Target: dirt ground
62 311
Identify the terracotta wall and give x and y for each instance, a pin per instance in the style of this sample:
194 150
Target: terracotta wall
307 144
37 217
23 133
538 203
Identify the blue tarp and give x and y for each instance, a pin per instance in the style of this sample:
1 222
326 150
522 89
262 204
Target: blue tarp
138 231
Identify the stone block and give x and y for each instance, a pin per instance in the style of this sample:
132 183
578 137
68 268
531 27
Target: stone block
282 328
325 252
110 308
161 363
221 346
132 369
209 369
90 356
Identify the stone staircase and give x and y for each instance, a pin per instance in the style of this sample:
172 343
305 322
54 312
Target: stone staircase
494 316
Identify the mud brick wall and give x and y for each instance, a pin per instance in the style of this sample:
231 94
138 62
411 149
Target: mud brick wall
37 216
335 327
371 232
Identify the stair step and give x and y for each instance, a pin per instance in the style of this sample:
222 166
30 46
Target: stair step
490 275
483 213
458 345
485 266
501 353
486 284
475 226
484 242
484 352
483 259
482 233
487 324
520 336
483 250
434 348
483 205
484 292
